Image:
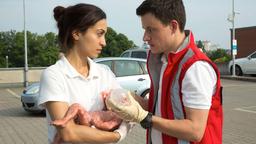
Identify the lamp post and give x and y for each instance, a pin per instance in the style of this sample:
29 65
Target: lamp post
25 46
233 39
6 58
231 19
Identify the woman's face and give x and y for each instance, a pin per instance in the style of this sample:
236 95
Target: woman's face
92 41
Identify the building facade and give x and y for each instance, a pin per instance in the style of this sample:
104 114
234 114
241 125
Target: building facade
246 41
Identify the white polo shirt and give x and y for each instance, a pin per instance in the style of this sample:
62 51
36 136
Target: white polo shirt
61 82
198 86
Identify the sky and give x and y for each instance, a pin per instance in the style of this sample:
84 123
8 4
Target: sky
206 18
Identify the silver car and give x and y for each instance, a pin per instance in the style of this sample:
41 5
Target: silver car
29 98
131 73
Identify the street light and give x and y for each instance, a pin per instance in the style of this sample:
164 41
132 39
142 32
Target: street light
25 46
6 58
231 18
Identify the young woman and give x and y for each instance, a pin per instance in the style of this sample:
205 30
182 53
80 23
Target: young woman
75 78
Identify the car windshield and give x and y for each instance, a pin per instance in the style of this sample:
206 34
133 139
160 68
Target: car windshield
253 56
126 54
127 68
139 54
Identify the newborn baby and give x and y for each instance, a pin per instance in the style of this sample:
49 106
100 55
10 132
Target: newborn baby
103 120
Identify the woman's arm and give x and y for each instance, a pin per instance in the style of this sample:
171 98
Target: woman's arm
78 133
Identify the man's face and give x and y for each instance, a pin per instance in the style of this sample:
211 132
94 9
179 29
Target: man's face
156 34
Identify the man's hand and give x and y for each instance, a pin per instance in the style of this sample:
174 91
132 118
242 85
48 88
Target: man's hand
131 111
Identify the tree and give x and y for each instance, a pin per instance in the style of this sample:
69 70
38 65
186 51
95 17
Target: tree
116 44
6 45
200 45
43 50
219 55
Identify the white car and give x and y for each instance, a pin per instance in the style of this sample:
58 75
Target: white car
245 65
131 74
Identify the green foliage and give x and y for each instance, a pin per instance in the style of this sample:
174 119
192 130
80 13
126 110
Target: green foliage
43 50
116 44
219 55
200 45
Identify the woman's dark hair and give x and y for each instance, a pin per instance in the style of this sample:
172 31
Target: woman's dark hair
164 10
78 17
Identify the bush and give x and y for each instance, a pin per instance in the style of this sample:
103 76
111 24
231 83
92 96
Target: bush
219 56
222 59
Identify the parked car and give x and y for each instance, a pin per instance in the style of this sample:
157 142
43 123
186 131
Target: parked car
29 99
246 65
136 53
131 73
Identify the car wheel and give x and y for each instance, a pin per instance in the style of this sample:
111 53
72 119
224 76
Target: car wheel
145 94
238 71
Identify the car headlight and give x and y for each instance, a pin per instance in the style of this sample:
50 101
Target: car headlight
33 90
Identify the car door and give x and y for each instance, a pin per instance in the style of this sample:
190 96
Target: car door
251 64
130 74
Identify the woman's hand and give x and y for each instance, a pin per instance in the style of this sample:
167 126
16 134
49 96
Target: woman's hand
75 112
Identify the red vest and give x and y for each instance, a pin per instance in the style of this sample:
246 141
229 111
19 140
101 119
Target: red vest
171 99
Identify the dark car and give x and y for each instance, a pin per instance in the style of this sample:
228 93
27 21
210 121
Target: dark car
136 53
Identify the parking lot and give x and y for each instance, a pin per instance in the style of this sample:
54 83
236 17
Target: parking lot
18 126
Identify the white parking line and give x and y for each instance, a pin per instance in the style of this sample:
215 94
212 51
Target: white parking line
245 109
13 93
239 85
249 107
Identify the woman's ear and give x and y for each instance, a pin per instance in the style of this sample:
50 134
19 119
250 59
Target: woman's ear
75 35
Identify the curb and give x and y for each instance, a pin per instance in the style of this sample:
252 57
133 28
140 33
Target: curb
239 78
14 85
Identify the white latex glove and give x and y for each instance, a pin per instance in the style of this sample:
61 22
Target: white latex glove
125 106
124 129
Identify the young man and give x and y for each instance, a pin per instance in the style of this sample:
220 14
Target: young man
185 103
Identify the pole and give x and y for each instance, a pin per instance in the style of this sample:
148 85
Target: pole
233 38
25 46
7 65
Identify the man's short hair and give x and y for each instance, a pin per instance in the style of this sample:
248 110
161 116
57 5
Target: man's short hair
165 11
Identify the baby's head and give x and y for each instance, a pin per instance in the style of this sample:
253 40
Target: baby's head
118 97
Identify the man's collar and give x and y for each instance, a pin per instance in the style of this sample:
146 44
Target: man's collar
184 43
